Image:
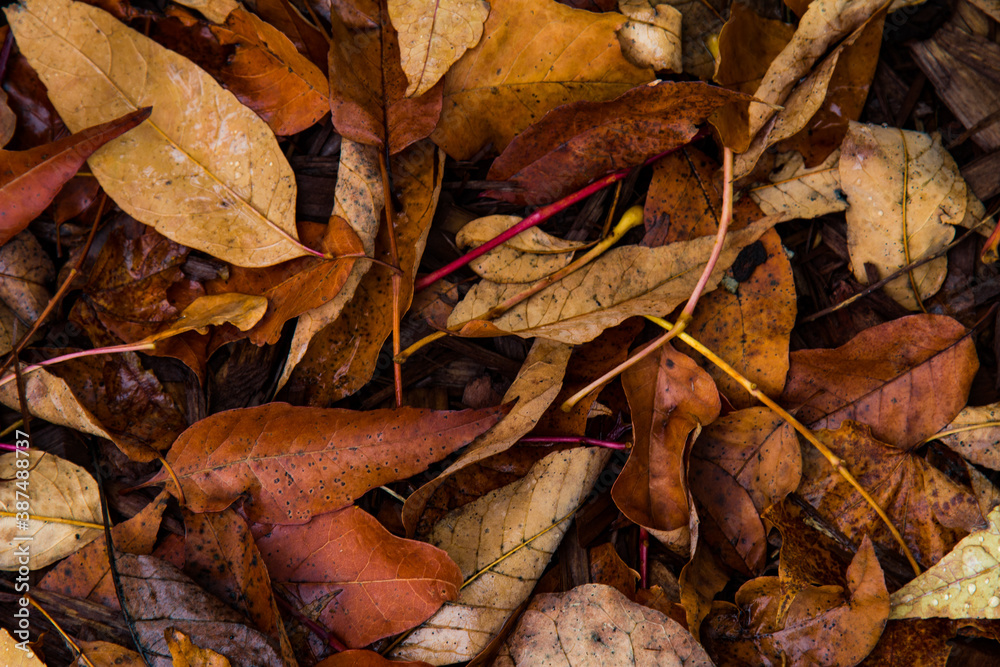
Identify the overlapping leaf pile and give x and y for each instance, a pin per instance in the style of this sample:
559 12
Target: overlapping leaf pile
230 281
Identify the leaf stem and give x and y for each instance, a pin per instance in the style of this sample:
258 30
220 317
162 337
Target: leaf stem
390 221
827 453
59 629
575 439
541 215
112 349
720 239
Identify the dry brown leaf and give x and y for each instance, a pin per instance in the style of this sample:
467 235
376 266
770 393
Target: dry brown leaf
534 389
50 398
537 55
159 596
824 22
16 654
215 11
931 511
889 377
213 175
701 21
807 98
243 311
480 533
186 653
344 354
797 191
652 35
741 68
359 200
56 488
963 584
730 324
625 281
433 34
595 625
106 653
25 268
757 447
905 195
974 434
526 258
608 568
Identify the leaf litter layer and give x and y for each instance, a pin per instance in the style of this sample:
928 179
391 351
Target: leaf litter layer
209 319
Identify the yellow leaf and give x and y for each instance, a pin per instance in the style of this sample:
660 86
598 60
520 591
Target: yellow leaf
905 195
203 170
625 281
963 584
536 55
188 654
433 34
241 310
12 656
215 11
526 258
55 488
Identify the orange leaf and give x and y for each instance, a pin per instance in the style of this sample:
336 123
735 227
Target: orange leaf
297 462
356 578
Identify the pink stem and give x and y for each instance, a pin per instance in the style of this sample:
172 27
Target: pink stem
572 439
10 448
133 347
316 628
643 556
540 216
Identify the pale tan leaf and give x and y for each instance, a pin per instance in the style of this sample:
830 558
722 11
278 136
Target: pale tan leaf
537 384
25 269
526 258
595 625
186 653
824 22
652 35
963 584
797 191
204 170
625 281
905 195
13 656
54 487
50 398
359 200
433 34
215 11
478 534
241 310
974 434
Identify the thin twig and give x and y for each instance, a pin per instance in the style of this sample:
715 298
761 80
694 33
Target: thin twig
720 239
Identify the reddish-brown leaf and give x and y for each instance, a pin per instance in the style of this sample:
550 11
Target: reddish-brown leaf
221 556
825 625
295 286
930 510
29 180
907 379
284 16
353 576
729 522
296 462
743 68
671 399
574 143
368 88
358 658
608 568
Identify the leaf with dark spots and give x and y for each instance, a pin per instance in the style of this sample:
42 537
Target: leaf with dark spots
29 180
294 462
351 575
575 143
889 377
